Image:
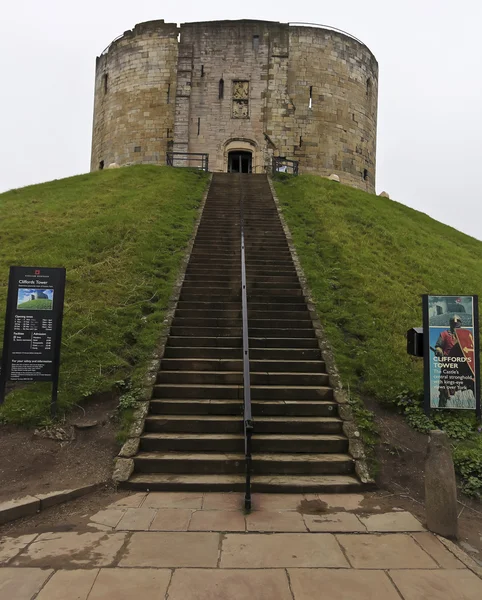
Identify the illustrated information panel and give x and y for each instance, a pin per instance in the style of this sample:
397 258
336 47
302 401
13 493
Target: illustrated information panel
451 351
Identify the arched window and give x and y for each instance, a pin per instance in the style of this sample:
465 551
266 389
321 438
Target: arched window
221 88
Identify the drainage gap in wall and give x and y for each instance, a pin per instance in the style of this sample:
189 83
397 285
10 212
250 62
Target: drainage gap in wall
137 148
101 165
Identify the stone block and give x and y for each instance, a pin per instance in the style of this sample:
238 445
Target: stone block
21 507
440 486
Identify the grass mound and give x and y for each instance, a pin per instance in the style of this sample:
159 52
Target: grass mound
121 234
36 305
368 260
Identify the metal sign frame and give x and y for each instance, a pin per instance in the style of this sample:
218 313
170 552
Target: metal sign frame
40 361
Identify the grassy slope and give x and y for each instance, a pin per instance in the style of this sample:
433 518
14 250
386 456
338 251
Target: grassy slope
368 260
121 234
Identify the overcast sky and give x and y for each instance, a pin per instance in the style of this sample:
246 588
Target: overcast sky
430 87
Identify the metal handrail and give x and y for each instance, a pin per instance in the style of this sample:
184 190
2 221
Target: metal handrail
283 165
248 417
188 157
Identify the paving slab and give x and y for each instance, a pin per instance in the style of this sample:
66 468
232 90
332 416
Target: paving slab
344 501
132 501
226 501
217 520
202 584
437 551
385 551
265 551
171 519
69 585
136 519
93 549
334 522
22 584
126 584
447 584
109 517
270 520
10 546
277 501
395 521
169 549
173 500
333 584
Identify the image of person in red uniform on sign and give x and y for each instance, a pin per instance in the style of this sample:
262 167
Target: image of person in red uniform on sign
454 359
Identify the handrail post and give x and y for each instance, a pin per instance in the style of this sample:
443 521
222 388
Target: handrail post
248 419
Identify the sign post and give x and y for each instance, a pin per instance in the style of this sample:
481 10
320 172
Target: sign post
33 328
451 352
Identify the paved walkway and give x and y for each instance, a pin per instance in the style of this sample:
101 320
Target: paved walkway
202 547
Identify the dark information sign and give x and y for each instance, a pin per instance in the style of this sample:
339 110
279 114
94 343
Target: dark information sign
451 352
33 326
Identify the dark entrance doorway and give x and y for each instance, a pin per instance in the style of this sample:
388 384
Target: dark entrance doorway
240 162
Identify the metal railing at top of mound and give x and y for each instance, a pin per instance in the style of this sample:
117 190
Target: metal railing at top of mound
328 27
195 160
248 417
283 165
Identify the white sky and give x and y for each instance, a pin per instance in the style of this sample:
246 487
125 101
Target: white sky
430 87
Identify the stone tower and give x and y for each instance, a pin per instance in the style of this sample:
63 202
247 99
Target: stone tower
242 91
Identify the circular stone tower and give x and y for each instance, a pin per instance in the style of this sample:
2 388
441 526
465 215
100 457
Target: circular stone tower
241 91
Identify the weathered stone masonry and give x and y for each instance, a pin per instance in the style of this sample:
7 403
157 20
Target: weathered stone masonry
273 89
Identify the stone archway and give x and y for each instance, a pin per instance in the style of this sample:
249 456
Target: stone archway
243 145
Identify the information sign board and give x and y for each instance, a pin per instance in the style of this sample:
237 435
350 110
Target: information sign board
33 326
451 352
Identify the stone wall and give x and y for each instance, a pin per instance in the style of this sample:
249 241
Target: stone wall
135 91
303 93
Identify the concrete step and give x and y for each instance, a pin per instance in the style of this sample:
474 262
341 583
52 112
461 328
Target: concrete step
233 353
233 392
202 353
275 324
205 341
294 443
236 377
234 424
283 408
300 484
196 406
192 442
193 424
190 462
256 366
234 462
280 342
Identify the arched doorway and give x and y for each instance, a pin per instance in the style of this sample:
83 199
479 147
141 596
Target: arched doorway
240 161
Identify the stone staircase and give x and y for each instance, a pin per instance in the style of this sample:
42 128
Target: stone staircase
193 437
